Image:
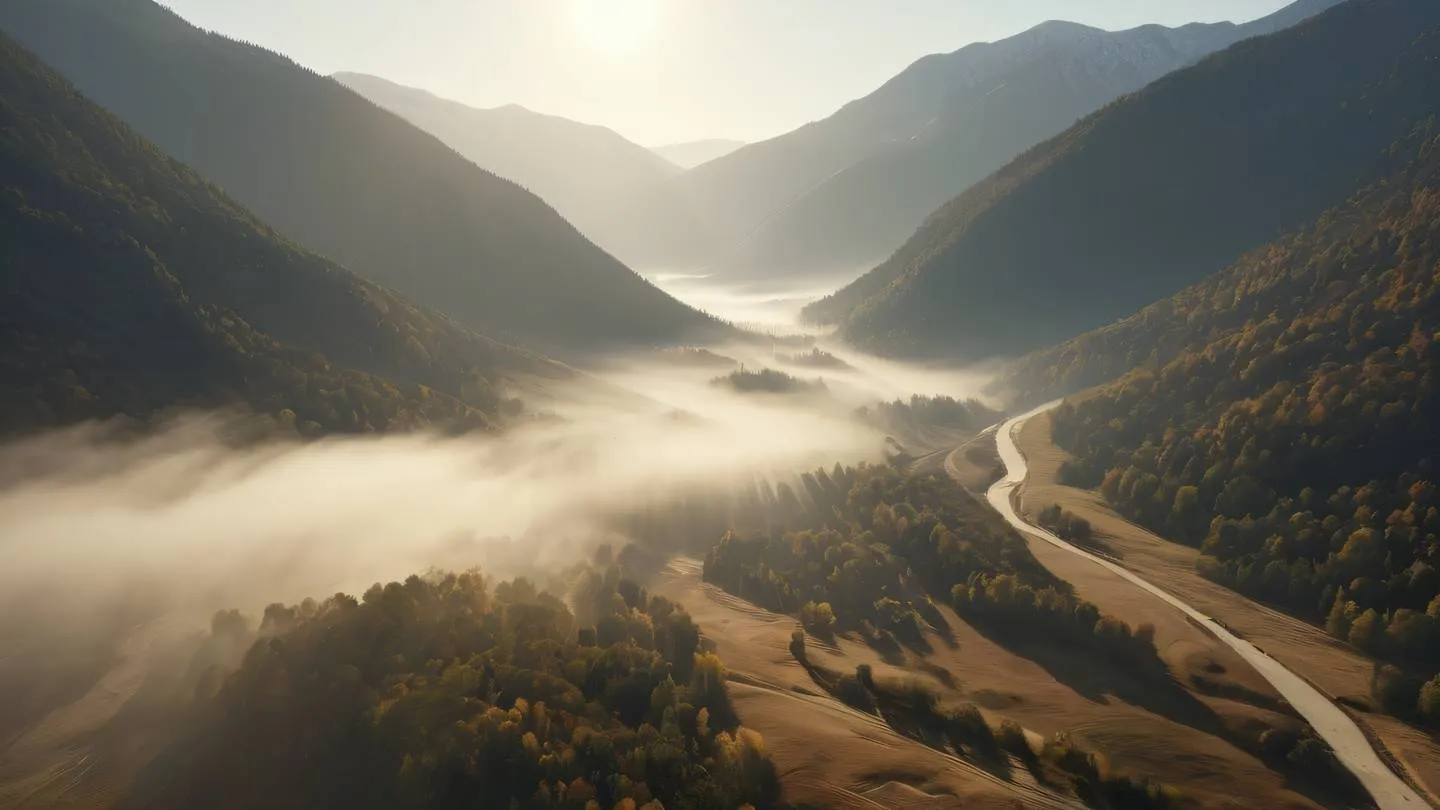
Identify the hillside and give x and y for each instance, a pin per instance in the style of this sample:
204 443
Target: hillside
1156 191
351 181
449 692
584 171
130 286
989 102
1288 425
845 191
689 154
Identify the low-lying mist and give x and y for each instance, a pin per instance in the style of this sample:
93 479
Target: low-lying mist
102 532
198 523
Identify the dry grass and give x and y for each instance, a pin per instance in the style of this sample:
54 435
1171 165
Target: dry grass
1335 668
83 755
829 753
826 752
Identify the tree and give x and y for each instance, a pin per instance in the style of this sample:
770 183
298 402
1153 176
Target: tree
1429 701
819 617
1337 623
1367 630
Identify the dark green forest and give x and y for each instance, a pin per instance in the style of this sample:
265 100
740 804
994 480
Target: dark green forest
929 411
131 286
1292 436
871 547
394 204
449 691
1156 191
768 381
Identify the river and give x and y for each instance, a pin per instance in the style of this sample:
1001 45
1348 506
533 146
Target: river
1351 747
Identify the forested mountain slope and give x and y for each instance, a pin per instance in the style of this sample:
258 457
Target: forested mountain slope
1157 190
1292 432
448 692
128 285
351 181
989 103
584 171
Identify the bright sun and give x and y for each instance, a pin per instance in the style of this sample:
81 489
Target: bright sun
618 27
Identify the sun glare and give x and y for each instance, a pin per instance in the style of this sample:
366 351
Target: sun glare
617 27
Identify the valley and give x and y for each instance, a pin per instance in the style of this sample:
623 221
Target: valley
1047 421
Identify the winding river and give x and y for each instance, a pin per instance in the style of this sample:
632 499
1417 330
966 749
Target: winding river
1351 747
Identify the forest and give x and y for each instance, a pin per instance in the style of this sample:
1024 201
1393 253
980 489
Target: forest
874 546
769 381
1291 438
449 691
133 287
929 411
1193 171
395 205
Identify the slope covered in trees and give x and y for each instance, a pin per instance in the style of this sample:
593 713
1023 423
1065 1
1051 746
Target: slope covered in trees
872 542
128 285
586 172
983 105
1291 433
444 692
350 181
1157 190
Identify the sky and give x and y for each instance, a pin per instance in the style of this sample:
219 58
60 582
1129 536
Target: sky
660 71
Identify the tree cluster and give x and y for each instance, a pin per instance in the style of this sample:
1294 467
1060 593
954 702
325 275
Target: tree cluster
442 692
874 544
1066 525
922 411
767 381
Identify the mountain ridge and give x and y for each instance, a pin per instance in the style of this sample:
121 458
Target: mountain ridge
582 170
131 286
845 191
396 205
689 154
1199 167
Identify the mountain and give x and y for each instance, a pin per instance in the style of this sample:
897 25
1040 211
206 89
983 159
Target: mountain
1284 417
690 154
994 101
352 182
845 191
128 285
1155 191
584 171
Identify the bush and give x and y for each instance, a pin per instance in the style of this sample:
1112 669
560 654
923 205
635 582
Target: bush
1011 737
853 693
818 617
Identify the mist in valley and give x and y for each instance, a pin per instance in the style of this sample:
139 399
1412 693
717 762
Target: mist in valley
119 546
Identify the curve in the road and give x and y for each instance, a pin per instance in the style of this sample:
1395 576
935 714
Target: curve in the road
1351 747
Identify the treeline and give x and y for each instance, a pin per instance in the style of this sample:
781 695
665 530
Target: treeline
1294 439
767 381
922 411
873 545
1066 525
442 692
815 358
